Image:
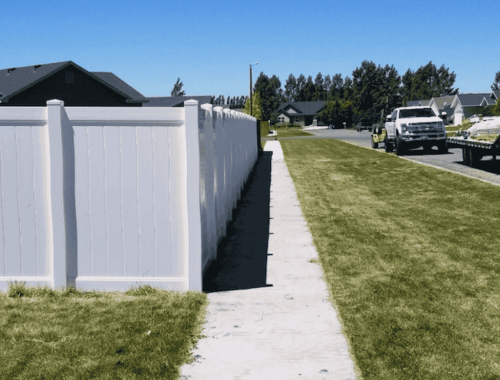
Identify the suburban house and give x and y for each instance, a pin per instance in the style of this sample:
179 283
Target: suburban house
459 107
491 99
302 113
467 105
413 103
418 103
35 85
176 101
443 104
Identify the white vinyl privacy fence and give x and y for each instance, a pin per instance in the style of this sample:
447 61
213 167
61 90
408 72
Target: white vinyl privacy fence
105 197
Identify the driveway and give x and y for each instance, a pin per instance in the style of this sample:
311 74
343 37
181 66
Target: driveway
487 170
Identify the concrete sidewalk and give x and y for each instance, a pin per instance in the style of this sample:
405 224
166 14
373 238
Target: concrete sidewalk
279 325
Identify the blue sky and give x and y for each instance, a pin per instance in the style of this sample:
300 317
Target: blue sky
210 44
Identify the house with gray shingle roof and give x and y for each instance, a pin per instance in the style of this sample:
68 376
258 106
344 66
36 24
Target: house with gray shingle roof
413 103
34 85
302 113
488 101
467 105
443 104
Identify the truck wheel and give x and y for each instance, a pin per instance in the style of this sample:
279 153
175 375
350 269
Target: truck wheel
387 145
374 144
400 149
443 147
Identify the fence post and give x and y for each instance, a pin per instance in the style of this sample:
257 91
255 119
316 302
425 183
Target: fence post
57 237
193 195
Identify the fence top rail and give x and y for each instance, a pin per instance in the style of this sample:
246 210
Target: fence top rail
23 115
94 115
170 115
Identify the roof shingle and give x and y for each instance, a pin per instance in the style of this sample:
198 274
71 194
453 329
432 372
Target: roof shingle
304 108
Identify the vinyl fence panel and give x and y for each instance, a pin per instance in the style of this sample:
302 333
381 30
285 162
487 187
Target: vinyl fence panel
108 197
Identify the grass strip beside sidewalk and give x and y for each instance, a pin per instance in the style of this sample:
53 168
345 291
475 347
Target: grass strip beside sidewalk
411 256
292 132
144 333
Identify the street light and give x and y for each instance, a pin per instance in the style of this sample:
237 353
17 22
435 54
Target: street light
251 105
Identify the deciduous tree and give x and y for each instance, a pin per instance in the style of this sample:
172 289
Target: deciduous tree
256 108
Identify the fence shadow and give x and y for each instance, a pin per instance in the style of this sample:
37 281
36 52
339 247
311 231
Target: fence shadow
242 255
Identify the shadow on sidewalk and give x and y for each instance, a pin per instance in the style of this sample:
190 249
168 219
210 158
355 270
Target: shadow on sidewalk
242 255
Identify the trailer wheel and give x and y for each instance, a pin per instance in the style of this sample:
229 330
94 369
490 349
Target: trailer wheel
465 156
471 157
474 157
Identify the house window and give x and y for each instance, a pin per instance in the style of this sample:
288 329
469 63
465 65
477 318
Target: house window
69 77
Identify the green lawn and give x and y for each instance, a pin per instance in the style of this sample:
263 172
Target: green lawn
141 334
264 128
292 132
411 256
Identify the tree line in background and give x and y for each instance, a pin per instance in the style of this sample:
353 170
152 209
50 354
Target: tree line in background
234 102
372 92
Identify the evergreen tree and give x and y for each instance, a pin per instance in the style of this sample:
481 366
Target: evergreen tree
309 90
337 87
301 85
291 90
407 88
270 93
347 88
496 82
319 90
496 109
428 82
177 90
327 84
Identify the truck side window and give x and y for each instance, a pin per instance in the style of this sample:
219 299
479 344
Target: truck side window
394 115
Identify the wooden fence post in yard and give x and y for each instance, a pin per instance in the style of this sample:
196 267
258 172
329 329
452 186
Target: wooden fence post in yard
194 248
56 250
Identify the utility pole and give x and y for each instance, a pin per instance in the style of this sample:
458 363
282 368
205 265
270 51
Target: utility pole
251 102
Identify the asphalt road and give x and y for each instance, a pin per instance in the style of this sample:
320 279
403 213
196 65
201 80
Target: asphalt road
487 170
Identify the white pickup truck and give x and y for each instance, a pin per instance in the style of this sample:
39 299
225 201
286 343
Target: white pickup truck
412 127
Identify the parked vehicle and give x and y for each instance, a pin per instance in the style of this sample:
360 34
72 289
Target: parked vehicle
361 127
378 135
480 140
412 127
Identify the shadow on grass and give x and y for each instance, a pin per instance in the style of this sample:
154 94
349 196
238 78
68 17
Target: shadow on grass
242 255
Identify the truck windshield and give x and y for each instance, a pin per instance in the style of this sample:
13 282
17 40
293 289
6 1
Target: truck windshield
416 112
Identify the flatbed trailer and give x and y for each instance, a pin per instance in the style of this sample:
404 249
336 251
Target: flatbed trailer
473 150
